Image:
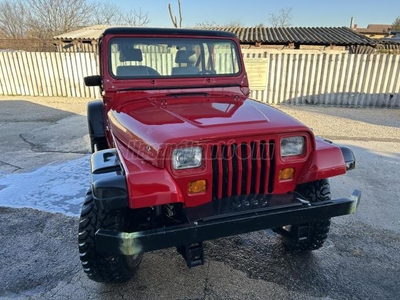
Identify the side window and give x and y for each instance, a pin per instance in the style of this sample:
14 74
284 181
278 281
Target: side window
114 57
136 58
207 58
226 58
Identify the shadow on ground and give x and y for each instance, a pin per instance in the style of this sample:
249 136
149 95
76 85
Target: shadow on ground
26 111
34 135
365 115
374 100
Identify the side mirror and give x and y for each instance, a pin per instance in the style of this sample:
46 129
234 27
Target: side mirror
94 80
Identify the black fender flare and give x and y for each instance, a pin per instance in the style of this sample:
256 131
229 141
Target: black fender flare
95 117
108 181
348 154
349 157
97 132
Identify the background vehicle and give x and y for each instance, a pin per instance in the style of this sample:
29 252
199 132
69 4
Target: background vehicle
181 155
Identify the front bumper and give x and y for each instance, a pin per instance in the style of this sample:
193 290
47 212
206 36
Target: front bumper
227 217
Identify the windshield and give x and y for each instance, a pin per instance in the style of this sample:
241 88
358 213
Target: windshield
172 57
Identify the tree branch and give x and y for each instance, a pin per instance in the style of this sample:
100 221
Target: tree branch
180 14
173 19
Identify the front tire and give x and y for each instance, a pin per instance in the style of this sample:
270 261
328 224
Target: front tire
98 266
315 191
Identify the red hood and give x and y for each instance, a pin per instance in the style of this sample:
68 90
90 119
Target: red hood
149 126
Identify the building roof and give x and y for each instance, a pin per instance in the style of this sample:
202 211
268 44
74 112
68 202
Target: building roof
301 35
86 33
389 41
94 32
374 29
251 35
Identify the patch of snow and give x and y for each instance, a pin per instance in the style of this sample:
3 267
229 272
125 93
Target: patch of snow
54 188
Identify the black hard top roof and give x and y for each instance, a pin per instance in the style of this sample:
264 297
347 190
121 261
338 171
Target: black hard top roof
167 31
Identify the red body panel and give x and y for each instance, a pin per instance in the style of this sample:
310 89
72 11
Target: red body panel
148 118
168 121
325 161
148 129
147 185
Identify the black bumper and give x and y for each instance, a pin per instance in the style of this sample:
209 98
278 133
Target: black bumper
225 219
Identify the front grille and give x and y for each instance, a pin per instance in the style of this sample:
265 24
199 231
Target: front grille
242 168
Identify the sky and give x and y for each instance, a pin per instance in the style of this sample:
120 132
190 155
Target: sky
310 13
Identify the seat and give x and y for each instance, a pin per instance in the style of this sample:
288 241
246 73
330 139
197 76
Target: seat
130 54
136 71
187 57
134 55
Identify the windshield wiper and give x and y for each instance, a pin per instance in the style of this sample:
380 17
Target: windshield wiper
188 94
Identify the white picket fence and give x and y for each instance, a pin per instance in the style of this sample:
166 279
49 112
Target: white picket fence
293 78
47 74
332 79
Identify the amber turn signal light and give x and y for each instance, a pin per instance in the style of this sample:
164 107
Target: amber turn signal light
198 186
286 174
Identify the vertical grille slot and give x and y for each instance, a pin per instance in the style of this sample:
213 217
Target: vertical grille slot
225 170
272 166
214 160
264 151
253 180
235 170
220 172
244 159
240 169
245 168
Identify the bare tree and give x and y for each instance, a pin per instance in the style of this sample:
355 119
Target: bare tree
173 17
207 24
105 13
282 19
396 24
110 14
233 23
210 24
47 18
12 19
134 18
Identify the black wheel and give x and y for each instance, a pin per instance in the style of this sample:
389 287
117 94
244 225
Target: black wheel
98 266
315 191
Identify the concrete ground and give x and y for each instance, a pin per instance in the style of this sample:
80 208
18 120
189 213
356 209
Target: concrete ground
360 260
36 131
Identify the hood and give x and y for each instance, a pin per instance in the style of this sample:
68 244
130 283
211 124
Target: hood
150 126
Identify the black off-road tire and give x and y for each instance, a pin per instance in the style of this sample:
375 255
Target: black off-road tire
98 266
315 191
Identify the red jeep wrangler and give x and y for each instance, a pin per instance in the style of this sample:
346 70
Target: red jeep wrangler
181 155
